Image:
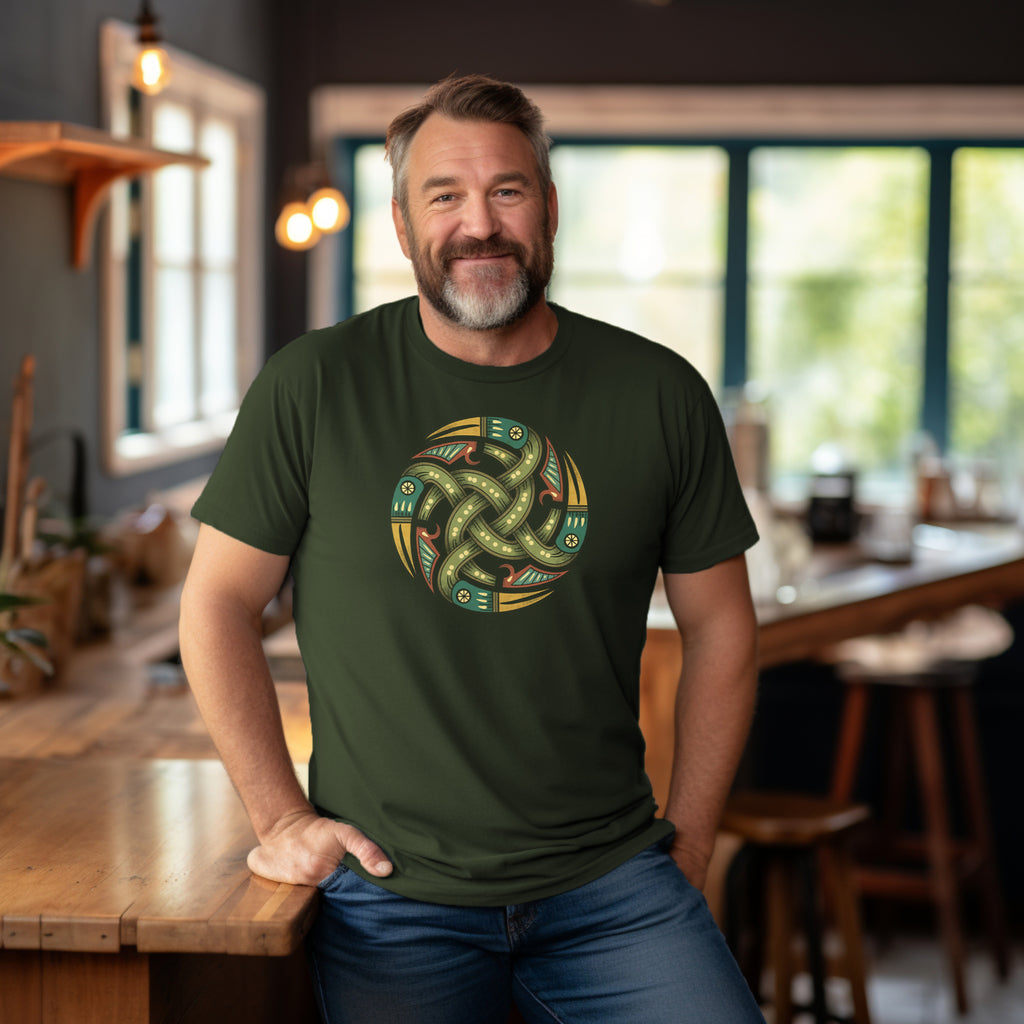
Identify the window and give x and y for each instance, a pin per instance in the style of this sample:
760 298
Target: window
380 271
641 242
856 253
182 265
986 326
837 266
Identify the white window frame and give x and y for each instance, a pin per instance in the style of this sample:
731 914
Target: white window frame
624 112
209 91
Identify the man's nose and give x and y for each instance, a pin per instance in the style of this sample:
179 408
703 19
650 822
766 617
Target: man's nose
479 218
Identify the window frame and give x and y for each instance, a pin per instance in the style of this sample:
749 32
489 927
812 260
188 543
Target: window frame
208 91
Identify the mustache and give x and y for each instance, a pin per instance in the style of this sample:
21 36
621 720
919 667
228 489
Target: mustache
480 248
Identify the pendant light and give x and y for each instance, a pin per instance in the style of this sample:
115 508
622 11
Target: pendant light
152 68
311 207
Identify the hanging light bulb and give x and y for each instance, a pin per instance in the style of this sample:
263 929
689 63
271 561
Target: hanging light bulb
328 209
152 68
310 207
295 228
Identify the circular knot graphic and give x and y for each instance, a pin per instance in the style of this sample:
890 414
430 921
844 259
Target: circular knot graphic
489 516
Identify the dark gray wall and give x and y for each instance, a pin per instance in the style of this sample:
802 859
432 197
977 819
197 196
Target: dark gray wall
49 70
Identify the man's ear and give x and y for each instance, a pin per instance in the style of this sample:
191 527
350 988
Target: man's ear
399 222
553 208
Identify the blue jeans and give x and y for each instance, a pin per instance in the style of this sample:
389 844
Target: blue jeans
636 946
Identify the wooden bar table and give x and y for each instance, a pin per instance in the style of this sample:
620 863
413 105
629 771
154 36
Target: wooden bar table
125 897
843 594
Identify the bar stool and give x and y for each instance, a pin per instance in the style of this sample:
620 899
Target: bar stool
791 835
917 667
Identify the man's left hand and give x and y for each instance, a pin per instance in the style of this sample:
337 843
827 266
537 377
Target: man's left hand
693 863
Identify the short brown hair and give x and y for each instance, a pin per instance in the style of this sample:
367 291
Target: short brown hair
466 98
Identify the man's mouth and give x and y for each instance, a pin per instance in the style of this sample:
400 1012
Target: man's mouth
488 253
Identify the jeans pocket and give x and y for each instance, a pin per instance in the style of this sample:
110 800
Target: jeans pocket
332 880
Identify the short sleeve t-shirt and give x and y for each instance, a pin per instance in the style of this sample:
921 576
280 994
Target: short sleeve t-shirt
473 551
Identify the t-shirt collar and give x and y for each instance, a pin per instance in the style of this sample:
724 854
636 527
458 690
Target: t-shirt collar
449 364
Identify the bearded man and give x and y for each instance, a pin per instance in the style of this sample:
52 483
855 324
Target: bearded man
474 490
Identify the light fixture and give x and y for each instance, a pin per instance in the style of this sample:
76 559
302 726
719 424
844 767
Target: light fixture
311 208
152 68
295 228
328 209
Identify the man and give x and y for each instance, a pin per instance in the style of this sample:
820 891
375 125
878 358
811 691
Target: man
474 490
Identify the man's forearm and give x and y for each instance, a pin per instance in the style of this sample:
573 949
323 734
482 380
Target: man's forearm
222 652
714 705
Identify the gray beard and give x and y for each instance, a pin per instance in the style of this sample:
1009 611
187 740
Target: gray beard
484 309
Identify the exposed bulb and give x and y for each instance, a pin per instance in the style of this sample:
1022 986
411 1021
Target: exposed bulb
328 209
152 70
295 228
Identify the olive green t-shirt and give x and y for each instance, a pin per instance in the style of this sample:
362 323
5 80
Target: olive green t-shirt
473 551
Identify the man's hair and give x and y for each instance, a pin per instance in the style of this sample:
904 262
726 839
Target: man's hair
466 98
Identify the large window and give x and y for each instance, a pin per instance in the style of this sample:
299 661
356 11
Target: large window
641 242
182 268
986 326
869 284
837 269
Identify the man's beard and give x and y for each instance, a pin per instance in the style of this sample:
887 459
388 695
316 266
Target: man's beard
485 303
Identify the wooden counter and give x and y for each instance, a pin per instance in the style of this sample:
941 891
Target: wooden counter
108 867
842 594
124 893
98 855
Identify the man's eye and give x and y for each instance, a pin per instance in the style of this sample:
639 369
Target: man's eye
447 197
507 193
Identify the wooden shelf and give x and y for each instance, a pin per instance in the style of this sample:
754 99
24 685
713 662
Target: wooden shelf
90 160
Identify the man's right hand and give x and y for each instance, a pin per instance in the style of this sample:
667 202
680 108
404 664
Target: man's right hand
303 849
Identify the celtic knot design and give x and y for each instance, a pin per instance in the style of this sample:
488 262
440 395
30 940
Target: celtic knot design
489 516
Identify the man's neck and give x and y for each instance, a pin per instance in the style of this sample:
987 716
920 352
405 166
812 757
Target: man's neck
518 343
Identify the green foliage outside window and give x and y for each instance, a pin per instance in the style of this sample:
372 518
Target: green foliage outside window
987 308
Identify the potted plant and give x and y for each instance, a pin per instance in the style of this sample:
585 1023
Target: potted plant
22 661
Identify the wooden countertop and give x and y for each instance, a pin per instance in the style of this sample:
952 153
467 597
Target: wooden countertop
119 828
843 593
105 853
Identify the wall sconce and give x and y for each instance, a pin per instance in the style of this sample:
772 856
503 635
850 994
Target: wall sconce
312 207
152 68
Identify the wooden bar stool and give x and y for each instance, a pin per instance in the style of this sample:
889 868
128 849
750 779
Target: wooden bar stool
791 835
922 668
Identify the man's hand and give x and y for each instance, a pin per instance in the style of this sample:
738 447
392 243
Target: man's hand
693 863
303 849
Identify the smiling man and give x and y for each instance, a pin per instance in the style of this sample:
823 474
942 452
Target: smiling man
478 225
474 490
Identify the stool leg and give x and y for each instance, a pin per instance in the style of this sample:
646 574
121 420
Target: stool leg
981 829
897 768
779 897
805 863
924 725
843 887
849 740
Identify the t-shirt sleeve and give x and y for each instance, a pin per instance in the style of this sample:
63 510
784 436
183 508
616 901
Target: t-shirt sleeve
257 493
709 521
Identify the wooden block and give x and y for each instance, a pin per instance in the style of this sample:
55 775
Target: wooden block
21 931
81 932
